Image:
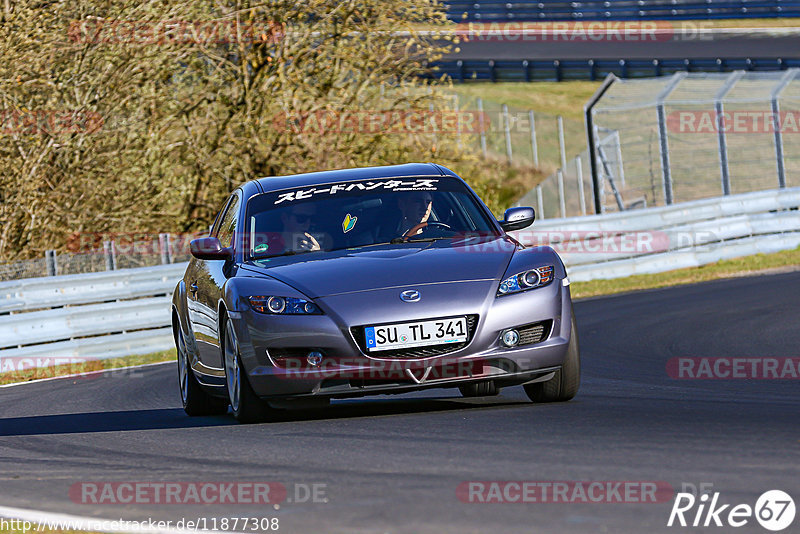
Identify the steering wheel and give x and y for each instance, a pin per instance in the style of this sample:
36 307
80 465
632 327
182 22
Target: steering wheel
424 225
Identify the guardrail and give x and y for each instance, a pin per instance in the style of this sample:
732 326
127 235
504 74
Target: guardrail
596 69
93 315
126 312
552 10
672 237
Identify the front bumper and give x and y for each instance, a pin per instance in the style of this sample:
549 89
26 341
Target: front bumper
346 371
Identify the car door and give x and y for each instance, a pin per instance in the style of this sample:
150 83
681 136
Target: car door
204 289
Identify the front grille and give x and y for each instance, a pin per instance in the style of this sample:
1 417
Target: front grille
416 352
534 333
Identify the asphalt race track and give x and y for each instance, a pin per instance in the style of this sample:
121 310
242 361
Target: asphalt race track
392 464
735 46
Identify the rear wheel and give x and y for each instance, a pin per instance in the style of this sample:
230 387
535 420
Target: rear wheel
564 385
195 401
480 389
246 405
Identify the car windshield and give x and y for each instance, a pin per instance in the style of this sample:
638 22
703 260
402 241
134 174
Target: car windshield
348 215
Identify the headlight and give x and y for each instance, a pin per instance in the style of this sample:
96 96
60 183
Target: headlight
541 276
284 305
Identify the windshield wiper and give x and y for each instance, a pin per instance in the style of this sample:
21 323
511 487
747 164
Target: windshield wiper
399 240
287 253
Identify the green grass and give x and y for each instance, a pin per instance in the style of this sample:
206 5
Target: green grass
722 269
553 98
747 23
89 366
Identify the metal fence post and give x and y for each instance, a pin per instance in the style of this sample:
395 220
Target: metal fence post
534 146
458 119
539 202
52 262
562 149
431 109
777 124
581 193
723 145
165 249
110 253
507 128
597 183
620 166
482 124
663 145
561 200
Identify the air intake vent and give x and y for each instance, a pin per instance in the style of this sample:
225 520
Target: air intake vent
534 333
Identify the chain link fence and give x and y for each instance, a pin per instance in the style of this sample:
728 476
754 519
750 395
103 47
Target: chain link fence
695 135
521 136
120 253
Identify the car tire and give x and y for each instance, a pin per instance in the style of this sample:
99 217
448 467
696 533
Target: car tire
479 389
247 407
196 402
564 385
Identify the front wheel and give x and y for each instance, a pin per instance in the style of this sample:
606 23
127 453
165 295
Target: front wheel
564 385
195 401
245 404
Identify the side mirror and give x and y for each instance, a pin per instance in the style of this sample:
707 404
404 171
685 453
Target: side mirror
209 248
517 219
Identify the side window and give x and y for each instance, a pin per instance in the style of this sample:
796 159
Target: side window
227 223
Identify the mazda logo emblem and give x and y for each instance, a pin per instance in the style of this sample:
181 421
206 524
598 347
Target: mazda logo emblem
410 295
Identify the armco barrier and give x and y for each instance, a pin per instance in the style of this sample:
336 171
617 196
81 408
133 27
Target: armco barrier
716 228
92 348
38 293
555 10
527 70
681 259
126 312
94 315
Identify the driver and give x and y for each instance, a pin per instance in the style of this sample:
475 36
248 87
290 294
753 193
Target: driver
296 225
294 235
416 208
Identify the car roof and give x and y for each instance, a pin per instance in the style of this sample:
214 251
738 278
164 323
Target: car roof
275 183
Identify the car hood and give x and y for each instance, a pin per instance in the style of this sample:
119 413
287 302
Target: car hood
322 274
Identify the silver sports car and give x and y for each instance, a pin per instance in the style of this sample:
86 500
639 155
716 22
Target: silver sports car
368 281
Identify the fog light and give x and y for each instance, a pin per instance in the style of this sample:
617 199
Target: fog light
314 358
510 338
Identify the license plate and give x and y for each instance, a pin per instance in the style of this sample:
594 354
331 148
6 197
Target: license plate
417 334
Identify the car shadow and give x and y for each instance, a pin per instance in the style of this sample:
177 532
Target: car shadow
172 418
76 423
345 409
